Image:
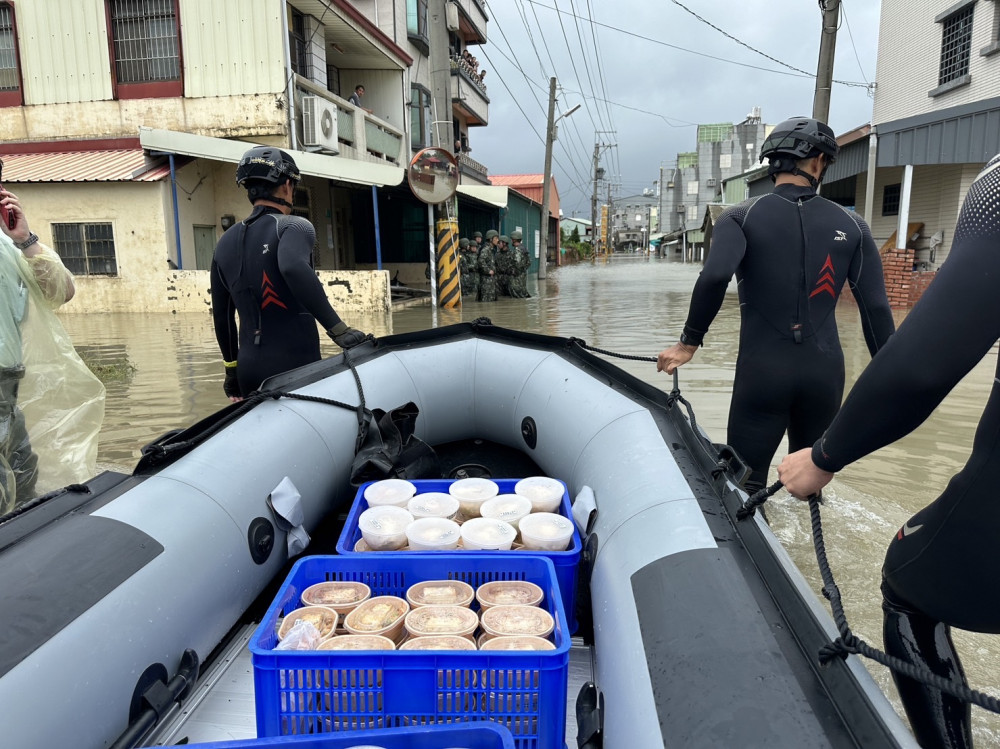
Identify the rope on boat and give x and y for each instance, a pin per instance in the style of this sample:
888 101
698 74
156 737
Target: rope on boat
849 643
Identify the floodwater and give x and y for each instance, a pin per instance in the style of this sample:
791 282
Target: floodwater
633 305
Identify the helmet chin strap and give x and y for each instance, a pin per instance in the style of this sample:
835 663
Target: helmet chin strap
780 166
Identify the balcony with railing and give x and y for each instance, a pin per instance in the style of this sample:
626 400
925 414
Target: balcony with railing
468 91
469 167
360 135
472 21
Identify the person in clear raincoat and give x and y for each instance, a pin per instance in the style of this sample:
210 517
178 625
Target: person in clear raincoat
51 404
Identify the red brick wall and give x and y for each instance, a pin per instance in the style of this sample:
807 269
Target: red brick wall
903 285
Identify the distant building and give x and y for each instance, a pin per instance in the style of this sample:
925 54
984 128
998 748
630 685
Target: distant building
632 221
582 226
722 151
530 186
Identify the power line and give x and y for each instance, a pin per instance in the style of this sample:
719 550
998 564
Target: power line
843 8
569 51
701 54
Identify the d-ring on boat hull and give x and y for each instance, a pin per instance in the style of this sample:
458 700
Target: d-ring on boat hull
704 632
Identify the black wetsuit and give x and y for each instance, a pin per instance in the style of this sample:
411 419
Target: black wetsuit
263 271
792 252
942 568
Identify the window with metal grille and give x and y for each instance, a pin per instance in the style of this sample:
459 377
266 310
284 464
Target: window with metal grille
145 45
420 116
86 249
956 45
297 43
890 199
10 77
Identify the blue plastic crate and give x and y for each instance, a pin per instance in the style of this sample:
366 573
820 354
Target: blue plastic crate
309 692
566 562
481 735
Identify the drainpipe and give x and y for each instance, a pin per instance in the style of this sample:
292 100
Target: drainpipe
290 80
870 181
378 232
173 191
902 233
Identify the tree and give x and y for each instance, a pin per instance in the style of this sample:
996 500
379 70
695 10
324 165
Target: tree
574 235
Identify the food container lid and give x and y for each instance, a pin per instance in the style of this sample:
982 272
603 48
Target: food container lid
438 642
507 507
322 617
341 596
517 642
517 620
546 530
433 533
389 492
384 520
509 593
357 642
433 505
440 593
545 493
486 533
376 615
441 620
477 489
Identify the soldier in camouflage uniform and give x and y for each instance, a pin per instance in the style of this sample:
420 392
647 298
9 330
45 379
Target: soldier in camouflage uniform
519 283
487 268
468 268
506 265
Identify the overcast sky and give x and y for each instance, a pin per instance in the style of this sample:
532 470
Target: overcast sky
648 71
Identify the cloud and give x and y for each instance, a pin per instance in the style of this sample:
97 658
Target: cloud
642 93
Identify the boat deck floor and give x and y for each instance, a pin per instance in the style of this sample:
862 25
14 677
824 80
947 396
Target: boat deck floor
221 707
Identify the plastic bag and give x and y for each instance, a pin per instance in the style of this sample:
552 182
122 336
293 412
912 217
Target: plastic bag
59 399
302 635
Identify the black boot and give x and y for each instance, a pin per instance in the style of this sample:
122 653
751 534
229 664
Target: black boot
937 719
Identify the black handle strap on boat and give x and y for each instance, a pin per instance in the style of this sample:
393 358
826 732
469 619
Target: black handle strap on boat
849 643
158 451
158 698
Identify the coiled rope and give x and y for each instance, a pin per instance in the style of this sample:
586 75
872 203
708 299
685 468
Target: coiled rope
849 643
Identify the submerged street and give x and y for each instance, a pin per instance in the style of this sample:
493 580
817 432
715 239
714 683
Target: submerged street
168 375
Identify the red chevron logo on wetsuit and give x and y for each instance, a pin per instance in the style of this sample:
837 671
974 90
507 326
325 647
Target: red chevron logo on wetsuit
826 280
269 295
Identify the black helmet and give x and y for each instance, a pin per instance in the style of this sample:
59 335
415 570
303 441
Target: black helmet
266 164
800 138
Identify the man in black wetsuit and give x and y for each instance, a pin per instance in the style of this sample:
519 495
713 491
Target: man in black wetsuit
941 569
262 270
792 251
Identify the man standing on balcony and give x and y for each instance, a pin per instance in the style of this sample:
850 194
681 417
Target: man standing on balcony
355 98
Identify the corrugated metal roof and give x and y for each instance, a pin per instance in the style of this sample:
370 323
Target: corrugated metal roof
517 180
122 165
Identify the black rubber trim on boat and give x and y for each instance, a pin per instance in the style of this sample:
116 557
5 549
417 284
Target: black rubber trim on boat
68 567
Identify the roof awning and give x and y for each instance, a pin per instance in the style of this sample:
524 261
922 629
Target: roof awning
492 194
115 165
315 164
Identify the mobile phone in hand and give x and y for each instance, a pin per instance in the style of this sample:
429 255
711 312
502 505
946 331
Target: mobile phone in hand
7 216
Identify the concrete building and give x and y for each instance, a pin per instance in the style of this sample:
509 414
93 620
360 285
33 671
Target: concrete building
122 121
582 226
722 151
632 221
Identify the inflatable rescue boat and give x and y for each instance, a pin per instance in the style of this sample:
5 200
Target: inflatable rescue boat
120 596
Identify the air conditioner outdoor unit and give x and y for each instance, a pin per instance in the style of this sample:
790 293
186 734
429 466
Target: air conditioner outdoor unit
681 209
451 16
710 183
319 123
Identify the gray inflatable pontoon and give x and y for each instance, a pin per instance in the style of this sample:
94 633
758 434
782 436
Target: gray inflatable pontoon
704 634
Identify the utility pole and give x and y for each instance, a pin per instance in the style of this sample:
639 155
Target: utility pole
593 201
550 135
824 69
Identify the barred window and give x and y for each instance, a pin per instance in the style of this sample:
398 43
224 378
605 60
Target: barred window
10 79
297 43
86 249
420 116
145 45
956 45
890 199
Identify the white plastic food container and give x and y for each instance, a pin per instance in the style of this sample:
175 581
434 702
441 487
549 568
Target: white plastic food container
396 492
485 533
471 493
433 534
433 505
384 528
546 531
507 507
545 493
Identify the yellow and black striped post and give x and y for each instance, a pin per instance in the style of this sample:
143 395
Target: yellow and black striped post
449 290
